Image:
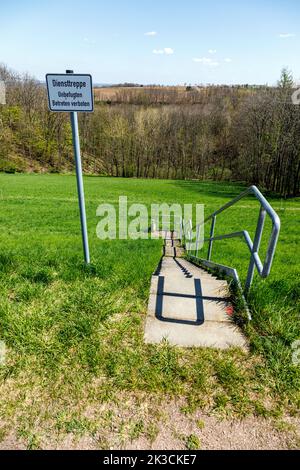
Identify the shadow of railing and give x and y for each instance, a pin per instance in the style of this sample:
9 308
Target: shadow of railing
198 298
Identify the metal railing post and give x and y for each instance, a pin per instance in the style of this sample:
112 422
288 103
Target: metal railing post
212 231
180 229
256 245
255 262
191 233
197 240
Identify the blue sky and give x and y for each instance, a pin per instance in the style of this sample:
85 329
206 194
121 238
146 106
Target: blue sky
166 42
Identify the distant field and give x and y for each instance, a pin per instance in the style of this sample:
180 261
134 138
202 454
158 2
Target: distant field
77 369
162 94
123 94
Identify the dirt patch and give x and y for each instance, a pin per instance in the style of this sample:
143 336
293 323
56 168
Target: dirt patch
175 431
215 434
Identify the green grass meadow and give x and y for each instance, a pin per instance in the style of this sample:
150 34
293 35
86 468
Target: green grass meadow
74 335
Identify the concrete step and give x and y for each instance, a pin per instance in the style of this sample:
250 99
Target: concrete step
179 252
172 243
188 299
174 251
217 335
169 251
195 270
172 267
167 235
187 310
205 288
177 283
189 307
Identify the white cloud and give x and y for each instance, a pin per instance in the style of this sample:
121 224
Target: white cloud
206 61
89 41
228 60
203 60
287 35
212 51
165 50
150 33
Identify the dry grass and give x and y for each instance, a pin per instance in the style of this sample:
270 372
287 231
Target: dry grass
154 94
140 421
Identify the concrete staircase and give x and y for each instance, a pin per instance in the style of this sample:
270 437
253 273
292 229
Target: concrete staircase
172 246
188 306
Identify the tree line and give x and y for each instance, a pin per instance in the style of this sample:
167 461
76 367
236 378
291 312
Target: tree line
249 134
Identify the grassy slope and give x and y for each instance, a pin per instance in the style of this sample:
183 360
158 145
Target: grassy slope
74 336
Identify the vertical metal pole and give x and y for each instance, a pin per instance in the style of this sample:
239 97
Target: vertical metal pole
190 235
180 229
212 231
80 190
256 244
197 240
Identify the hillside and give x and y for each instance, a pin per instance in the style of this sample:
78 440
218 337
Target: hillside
78 372
244 133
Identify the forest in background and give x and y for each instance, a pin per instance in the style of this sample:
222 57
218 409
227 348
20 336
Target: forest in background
239 133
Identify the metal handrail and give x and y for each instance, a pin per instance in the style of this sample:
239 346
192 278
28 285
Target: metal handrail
255 261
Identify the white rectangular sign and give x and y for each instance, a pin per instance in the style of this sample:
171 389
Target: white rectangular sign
70 92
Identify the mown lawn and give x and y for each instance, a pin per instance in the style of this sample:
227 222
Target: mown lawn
74 335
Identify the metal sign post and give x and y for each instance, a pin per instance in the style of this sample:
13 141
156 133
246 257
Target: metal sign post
73 92
80 190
